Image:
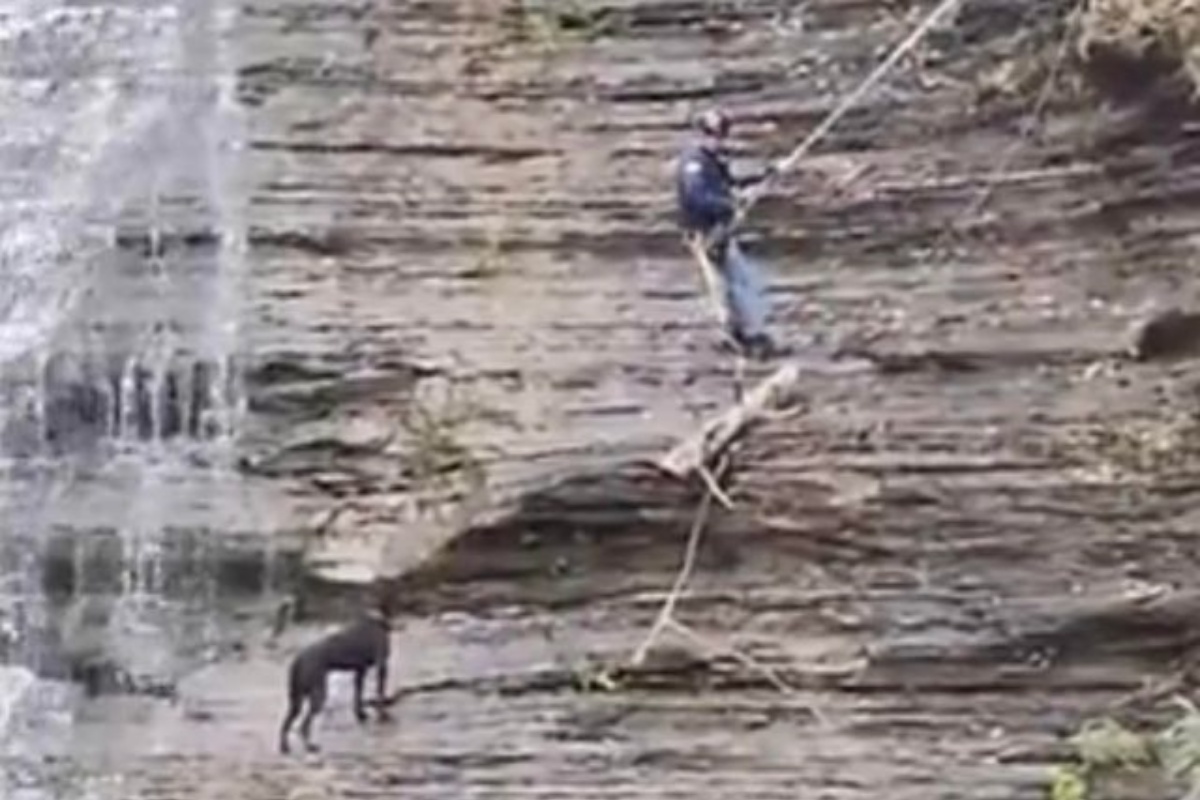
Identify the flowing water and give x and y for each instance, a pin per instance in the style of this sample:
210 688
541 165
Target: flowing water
121 253
934 555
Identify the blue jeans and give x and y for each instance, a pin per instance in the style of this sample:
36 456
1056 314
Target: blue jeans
743 294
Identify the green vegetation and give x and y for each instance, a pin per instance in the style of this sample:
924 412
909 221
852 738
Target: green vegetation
490 260
436 429
1131 47
595 676
554 22
1165 32
1104 749
1159 446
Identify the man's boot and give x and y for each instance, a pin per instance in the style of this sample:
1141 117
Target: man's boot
761 347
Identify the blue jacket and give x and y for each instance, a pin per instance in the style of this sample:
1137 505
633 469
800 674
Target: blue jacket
703 188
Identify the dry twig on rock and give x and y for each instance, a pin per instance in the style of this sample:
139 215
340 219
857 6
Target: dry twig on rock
685 572
777 393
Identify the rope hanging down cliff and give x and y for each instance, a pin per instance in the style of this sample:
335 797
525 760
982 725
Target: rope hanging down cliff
713 203
755 193
692 457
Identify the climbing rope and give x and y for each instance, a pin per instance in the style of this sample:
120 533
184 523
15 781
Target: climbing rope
712 489
1039 107
755 193
699 243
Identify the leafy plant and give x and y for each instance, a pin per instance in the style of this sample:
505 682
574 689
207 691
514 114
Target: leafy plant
1146 29
437 440
1106 744
1068 784
1105 747
551 22
596 678
1178 747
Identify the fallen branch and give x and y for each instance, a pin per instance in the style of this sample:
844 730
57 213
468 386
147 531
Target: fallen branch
745 660
666 617
1154 691
777 393
715 489
770 674
665 675
685 571
1183 674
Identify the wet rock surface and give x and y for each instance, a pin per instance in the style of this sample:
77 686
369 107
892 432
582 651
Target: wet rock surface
444 294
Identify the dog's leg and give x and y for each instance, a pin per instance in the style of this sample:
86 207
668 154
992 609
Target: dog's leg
360 713
316 702
381 671
295 704
295 694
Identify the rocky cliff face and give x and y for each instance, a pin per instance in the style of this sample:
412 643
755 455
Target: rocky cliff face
429 317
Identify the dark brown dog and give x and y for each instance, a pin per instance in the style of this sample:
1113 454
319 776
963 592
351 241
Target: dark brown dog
356 648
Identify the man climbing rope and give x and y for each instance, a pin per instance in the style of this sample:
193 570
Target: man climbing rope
706 193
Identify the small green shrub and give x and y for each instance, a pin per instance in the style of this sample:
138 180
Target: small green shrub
1104 747
554 22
